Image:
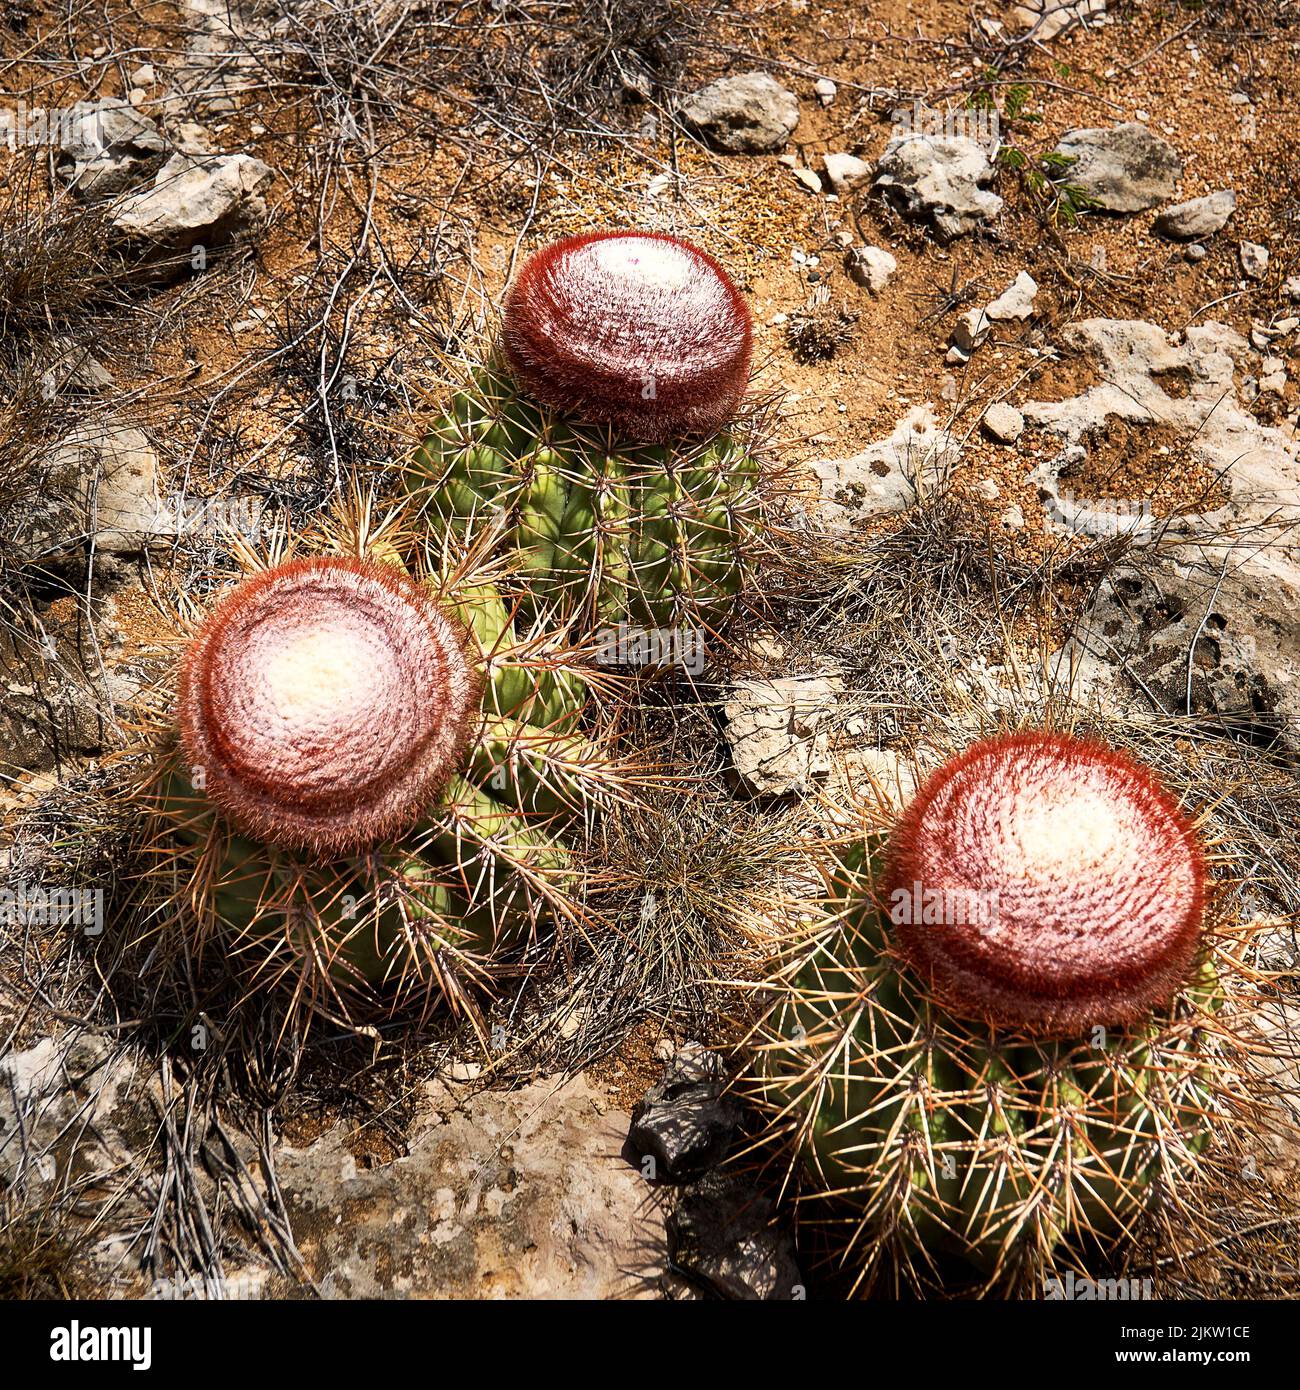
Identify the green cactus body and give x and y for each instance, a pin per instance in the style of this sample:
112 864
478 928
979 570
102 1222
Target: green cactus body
354 914
600 530
942 1138
458 880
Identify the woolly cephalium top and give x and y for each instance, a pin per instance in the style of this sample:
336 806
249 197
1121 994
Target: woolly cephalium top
1081 884
326 701
634 329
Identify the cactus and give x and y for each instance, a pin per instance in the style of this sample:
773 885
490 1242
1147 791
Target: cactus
1001 1042
588 448
366 785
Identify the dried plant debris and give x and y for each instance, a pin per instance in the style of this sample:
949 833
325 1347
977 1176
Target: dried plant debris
819 330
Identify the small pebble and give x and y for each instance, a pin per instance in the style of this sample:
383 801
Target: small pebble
1254 259
1004 423
872 267
1272 378
845 171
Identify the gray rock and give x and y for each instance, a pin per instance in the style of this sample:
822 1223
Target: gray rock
1292 289
1004 422
1123 169
1201 217
1258 466
101 493
503 1195
56 703
223 55
106 146
1254 259
777 731
1196 252
872 267
687 1121
941 180
518 1194
76 371
1272 376
1045 19
1249 547
970 331
862 774
887 475
54 715
723 1237
197 200
69 1103
1015 302
189 137
751 113
1225 646
124 511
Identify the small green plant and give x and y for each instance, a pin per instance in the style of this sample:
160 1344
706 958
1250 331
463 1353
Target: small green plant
1047 184
1045 180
